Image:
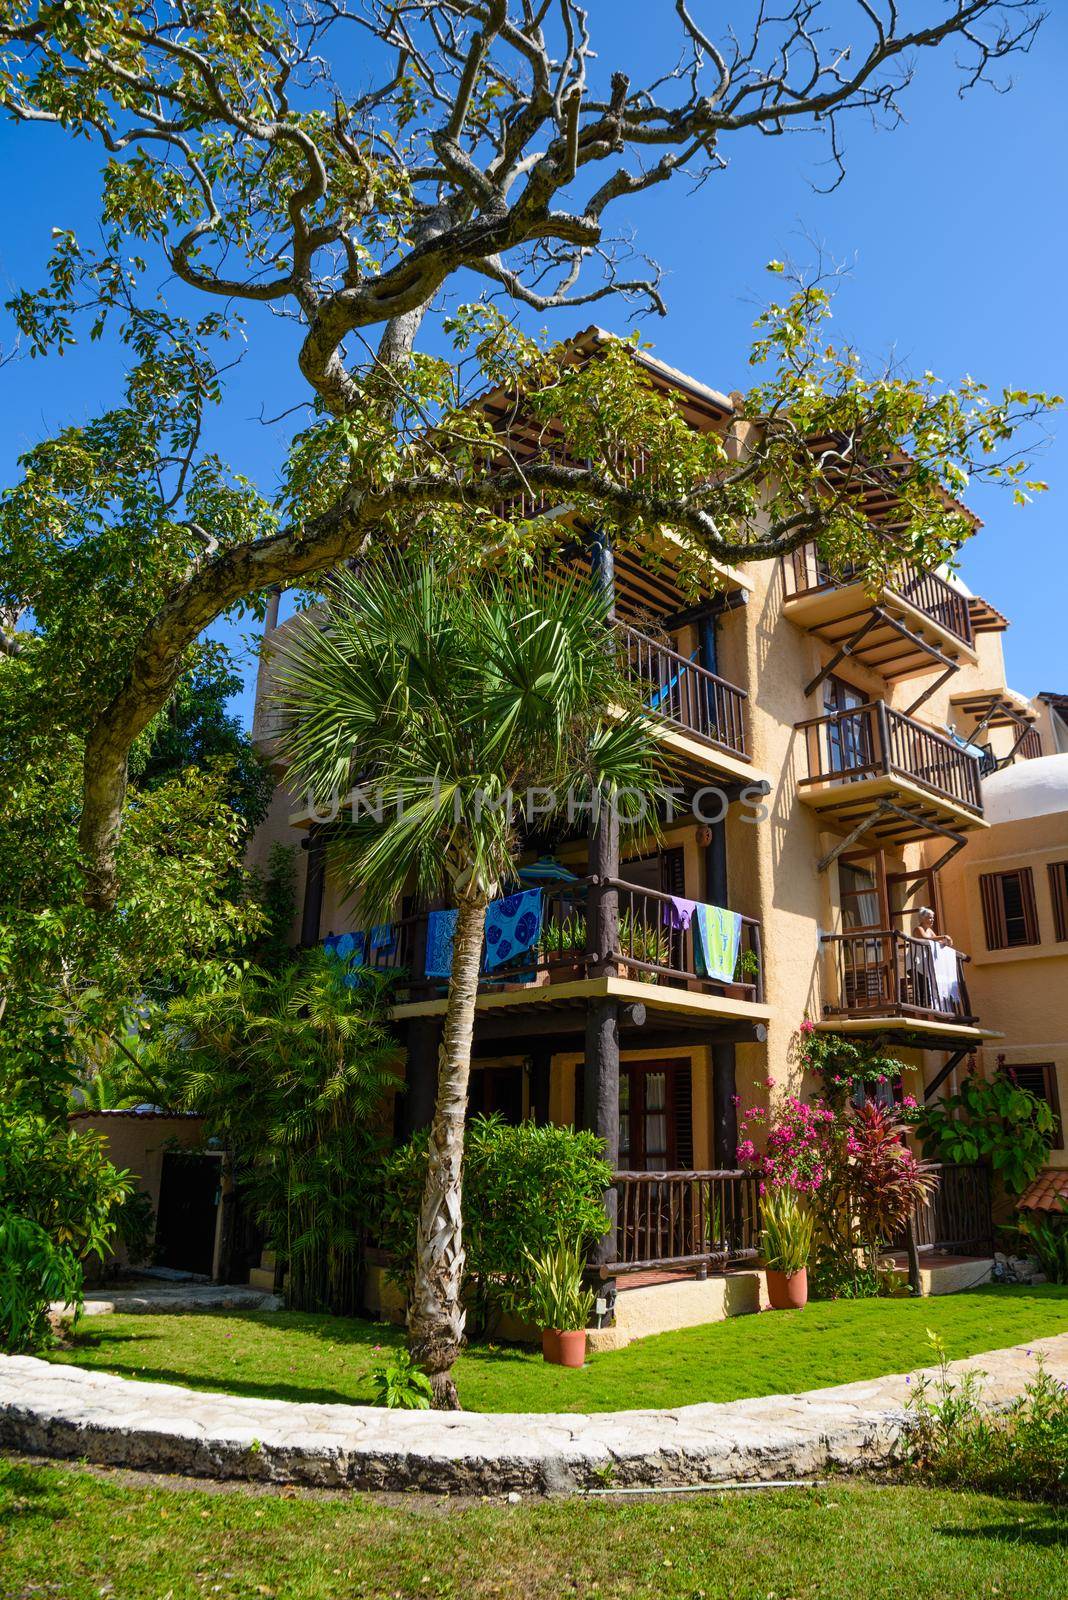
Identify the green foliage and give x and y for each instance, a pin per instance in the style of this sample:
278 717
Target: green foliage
276 892
954 1439
842 1064
401 1385
554 1296
522 1187
75 981
61 1201
492 690
1047 1238
294 1071
195 730
990 1119
786 1232
34 1271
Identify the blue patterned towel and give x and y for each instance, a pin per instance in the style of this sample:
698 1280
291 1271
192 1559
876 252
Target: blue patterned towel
440 931
350 949
383 937
717 936
513 925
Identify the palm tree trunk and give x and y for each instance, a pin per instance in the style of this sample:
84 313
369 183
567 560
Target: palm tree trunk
436 1314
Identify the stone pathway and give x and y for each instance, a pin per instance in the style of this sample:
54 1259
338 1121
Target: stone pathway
159 1295
63 1411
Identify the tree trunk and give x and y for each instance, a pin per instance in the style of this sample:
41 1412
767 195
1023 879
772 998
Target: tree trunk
436 1314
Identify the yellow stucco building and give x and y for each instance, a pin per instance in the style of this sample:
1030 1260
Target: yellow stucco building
838 757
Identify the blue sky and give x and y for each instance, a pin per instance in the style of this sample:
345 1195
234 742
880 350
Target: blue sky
955 227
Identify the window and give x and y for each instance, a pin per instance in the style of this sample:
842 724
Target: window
1058 893
1009 912
1040 1078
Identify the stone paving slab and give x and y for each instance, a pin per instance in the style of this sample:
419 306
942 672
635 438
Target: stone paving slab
64 1411
149 1296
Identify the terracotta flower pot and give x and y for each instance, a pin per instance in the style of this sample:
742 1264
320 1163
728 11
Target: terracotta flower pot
564 1348
787 1291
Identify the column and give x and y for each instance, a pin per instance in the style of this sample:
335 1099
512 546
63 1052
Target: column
314 881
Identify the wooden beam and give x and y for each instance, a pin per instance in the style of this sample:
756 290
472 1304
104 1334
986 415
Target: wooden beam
845 650
940 1077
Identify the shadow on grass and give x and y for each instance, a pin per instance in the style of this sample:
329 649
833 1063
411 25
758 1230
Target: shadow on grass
1049 1534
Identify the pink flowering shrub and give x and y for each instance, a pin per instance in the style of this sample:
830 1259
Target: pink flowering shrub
858 1177
797 1145
841 1064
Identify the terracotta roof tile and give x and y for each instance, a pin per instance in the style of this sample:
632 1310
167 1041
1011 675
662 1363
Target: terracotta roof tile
1046 1192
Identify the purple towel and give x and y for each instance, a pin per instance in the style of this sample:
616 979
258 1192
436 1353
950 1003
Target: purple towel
677 912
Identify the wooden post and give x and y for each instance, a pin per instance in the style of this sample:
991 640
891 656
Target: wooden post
314 881
915 1282
601 1066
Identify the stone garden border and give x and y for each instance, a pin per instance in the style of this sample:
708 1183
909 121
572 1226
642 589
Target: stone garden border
65 1411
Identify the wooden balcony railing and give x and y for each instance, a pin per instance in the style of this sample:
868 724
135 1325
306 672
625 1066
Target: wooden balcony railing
957 1216
651 948
648 947
684 1219
884 972
806 572
684 693
870 740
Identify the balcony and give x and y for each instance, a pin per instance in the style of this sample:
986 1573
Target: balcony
684 694
883 972
647 950
871 757
915 622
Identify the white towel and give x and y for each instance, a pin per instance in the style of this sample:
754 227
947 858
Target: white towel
946 976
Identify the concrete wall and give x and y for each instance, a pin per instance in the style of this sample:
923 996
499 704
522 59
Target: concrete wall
137 1144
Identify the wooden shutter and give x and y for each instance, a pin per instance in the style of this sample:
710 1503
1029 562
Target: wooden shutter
993 910
1027 897
681 1089
1058 893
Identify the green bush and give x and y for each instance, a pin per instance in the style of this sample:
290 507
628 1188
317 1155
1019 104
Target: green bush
953 1439
1047 1238
61 1201
991 1119
34 1271
523 1188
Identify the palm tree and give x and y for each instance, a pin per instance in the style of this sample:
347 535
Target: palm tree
453 698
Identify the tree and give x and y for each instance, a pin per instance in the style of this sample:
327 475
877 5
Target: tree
454 702
292 1071
486 139
74 981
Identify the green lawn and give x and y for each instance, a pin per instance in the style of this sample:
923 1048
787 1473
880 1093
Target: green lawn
293 1356
79 1535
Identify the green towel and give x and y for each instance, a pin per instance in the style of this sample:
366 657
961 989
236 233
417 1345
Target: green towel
718 935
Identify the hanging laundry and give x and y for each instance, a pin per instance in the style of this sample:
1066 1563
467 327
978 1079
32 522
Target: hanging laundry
440 932
383 937
350 949
946 977
678 913
513 925
717 936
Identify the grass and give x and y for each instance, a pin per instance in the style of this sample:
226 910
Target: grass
78 1535
295 1356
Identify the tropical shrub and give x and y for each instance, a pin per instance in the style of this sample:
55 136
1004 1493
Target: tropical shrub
1047 1238
860 1179
993 1120
523 1187
61 1201
34 1271
293 1072
555 1297
954 1439
844 1065
786 1234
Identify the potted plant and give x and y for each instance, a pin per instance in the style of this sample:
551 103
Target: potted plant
558 1303
786 1238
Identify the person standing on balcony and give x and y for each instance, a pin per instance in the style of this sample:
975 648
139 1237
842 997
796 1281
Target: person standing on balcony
924 928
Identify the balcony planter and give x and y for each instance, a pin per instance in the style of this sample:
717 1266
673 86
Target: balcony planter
787 1291
564 1347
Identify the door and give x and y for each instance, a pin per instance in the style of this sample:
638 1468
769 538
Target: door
497 1091
655 1116
849 745
189 1195
867 970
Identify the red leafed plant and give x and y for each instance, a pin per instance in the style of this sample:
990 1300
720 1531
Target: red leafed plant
884 1178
